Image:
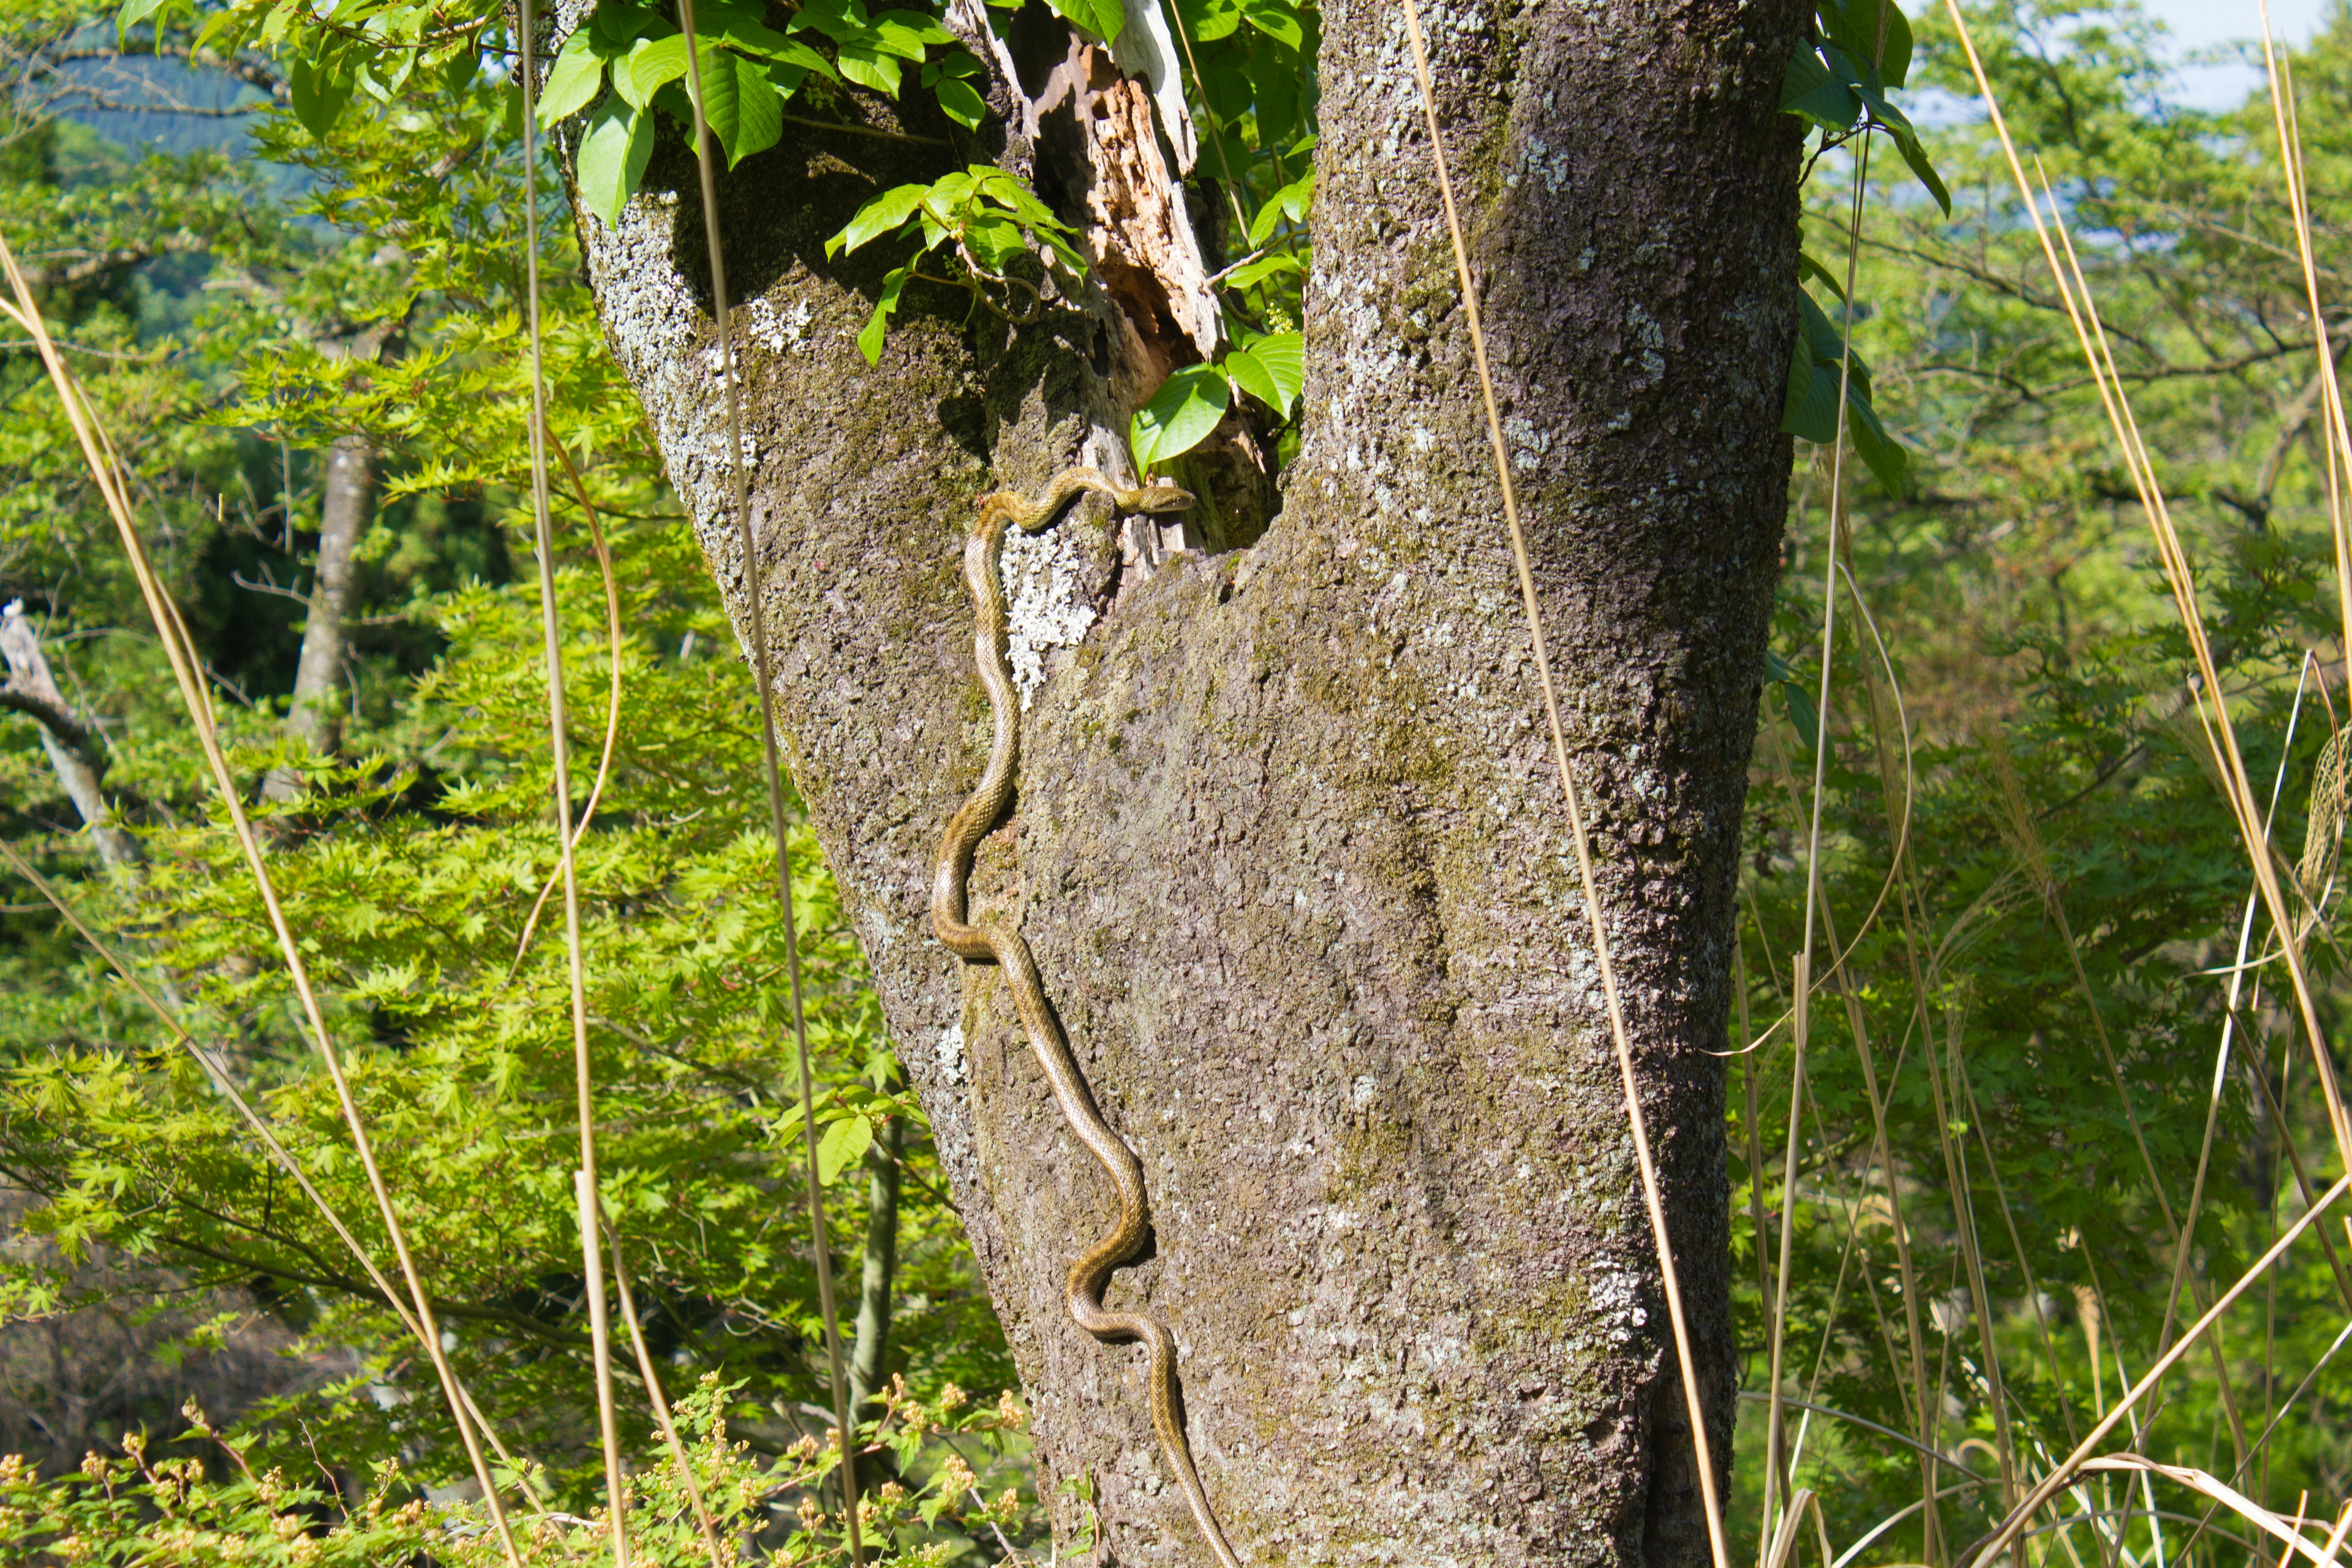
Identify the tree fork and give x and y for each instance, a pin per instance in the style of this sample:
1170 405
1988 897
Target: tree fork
1287 843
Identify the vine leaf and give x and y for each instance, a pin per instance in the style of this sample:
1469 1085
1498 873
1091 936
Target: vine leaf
319 93
1178 416
1271 369
1811 409
1106 19
612 156
572 82
869 341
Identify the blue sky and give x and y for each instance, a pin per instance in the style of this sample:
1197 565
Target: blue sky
2202 23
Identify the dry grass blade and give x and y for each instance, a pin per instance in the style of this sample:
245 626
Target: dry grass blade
616 640
1685 1361
773 774
2061 1474
2237 1502
660 1400
2212 712
187 674
567 844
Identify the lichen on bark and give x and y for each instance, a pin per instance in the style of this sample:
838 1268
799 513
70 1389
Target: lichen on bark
1287 844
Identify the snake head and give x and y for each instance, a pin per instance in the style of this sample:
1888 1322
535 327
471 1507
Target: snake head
1157 495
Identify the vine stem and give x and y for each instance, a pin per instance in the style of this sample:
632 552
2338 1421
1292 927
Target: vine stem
600 1327
771 771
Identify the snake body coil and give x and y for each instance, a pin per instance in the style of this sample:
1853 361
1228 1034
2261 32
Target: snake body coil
1092 1270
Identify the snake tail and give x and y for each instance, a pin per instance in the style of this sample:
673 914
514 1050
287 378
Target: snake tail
991 942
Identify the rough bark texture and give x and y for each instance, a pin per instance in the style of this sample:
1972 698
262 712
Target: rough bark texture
77 754
315 716
1287 844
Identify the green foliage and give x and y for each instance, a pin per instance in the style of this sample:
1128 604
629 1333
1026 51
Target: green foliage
2033 638
145 1509
1837 83
981 217
417 861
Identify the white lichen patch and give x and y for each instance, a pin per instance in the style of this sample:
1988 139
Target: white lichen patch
652 315
777 330
1617 1300
951 1053
1042 576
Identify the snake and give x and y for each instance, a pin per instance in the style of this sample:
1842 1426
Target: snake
987 941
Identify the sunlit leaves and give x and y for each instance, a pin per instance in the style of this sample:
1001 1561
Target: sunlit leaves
319 93
572 81
982 216
1106 19
613 153
1271 369
1178 416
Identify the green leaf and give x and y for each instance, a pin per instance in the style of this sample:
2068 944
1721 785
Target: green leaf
720 103
1810 409
1178 416
1292 202
1226 86
1208 20
1886 455
1252 377
879 215
960 104
759 107
1814 92
946 198
1809 267
617 26
318 96
1103 19
1265 266
843 1144
869 68
1278 20
1907 142
993 241
869 341
652 64
1274 73
1803 713
907 33
612 156
572 81
135 12
1284 355
1854 26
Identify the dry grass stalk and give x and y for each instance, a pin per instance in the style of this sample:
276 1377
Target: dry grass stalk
2212 712
771 767
617 642
105 469
1685 1361
567 843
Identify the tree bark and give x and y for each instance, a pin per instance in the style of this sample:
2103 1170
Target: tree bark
77 754
869 1358
1287 844
315 715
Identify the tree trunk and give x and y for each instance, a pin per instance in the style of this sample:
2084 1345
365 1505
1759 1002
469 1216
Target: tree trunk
870 1356
77 754
1287 844
315 716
